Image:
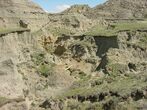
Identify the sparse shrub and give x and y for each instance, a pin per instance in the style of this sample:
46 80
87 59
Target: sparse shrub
113 29
82 75
73 105
38 57
46 69
57 31
116 69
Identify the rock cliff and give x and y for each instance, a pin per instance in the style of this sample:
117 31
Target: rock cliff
14 50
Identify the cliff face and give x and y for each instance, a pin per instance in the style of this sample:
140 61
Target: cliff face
15 50
20 41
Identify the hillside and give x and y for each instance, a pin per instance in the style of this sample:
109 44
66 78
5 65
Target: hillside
81 59
14 11
122 9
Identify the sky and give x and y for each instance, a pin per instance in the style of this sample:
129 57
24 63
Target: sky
55 6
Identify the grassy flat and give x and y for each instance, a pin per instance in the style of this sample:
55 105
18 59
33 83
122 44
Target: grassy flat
123 86
113 29
131 26
10 30
100 30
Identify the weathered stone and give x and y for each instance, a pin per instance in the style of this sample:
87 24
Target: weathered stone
11 81
23 24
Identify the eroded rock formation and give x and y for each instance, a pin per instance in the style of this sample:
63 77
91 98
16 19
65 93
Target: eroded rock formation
77 59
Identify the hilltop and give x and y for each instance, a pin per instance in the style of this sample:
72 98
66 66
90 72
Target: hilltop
115 9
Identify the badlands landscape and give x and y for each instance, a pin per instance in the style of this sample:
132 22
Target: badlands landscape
80 59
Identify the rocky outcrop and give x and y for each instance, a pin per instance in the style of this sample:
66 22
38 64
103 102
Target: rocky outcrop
77 9
16 46
122 59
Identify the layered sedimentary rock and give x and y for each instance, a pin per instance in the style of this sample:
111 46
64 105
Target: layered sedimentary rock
12 11
74 61
15 49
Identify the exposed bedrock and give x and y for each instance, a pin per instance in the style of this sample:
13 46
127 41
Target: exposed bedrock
15 49
127 51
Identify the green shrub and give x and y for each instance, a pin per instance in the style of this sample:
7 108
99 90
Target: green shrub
38 57
116 69
46 69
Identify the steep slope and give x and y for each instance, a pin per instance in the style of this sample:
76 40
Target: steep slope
12 11
124 9
15 49
22 5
